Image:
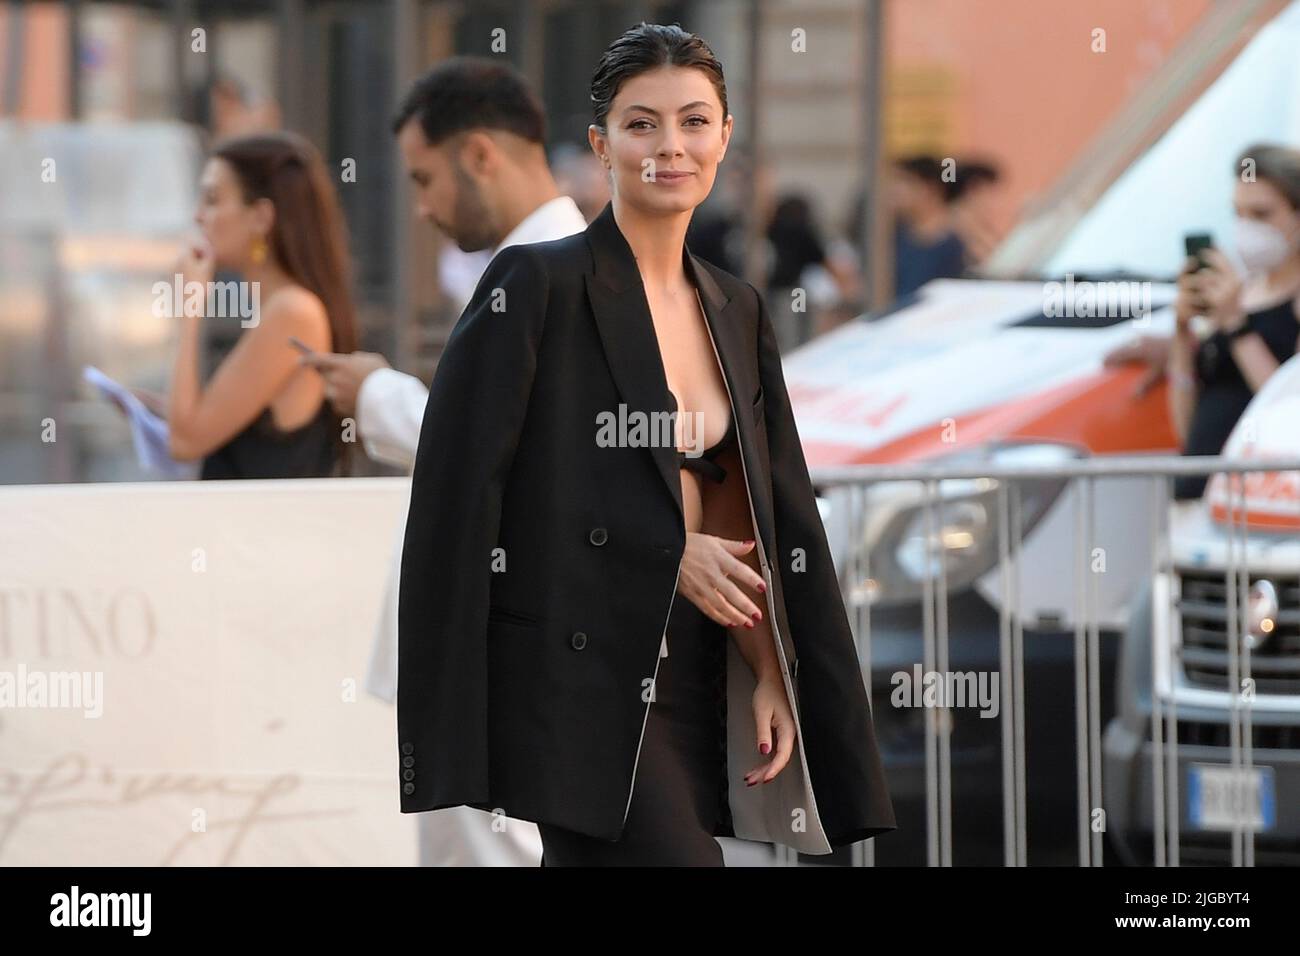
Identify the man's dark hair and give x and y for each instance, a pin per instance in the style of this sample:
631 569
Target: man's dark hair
973 172
967 172
466 92
928 170
924 167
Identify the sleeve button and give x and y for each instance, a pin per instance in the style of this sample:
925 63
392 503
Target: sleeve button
408 789
598 536
578 641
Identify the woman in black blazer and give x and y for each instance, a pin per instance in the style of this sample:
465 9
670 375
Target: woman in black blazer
618 615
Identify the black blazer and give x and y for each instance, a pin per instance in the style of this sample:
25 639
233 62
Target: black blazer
538 566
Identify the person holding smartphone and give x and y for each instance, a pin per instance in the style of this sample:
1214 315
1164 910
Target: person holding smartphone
1253 313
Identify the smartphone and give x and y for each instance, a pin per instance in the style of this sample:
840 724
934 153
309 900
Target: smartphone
301 346
1196 243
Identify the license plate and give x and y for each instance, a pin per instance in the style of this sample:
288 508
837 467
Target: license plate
1218 797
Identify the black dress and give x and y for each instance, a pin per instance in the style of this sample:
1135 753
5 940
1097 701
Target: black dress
1223 392
264 451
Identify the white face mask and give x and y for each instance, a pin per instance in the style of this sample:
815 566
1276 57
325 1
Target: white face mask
1259 246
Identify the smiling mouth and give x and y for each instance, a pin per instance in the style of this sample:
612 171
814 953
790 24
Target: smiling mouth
672 174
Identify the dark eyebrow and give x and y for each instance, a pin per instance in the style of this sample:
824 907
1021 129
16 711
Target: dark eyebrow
646 109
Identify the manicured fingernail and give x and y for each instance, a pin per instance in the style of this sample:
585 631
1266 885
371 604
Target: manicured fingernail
758 615
749 542
764 747
749 624
762 588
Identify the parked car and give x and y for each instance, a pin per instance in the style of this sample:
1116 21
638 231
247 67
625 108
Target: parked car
1186 610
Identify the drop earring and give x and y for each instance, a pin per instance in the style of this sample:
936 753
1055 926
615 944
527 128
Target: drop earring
258 253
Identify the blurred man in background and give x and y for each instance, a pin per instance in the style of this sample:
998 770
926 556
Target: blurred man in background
926 246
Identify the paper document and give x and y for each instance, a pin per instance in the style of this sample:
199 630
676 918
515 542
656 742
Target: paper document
149 432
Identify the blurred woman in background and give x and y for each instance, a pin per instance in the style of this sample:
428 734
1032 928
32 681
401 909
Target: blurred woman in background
267 210
1254 315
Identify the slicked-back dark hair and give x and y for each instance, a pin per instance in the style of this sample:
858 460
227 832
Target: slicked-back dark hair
648 46
470 92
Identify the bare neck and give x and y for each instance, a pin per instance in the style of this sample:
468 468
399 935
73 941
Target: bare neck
657 243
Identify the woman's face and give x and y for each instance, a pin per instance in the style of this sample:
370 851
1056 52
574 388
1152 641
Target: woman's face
230 225
665 136
1264 202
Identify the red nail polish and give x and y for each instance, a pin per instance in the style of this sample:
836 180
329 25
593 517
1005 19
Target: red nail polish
762 588
764 747
749 624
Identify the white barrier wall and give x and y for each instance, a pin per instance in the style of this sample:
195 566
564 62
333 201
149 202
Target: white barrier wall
228 626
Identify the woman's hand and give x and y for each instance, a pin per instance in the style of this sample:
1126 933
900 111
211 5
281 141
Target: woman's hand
195 262
772 714
1219 287
708 566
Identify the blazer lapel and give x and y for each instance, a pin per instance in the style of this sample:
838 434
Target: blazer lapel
631 346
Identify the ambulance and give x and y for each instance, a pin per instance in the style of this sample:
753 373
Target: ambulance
1187 613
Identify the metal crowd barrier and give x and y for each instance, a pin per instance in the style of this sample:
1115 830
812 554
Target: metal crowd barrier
847 487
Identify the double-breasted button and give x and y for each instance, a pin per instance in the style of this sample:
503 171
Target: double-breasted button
408 761
408 748
578 641
598 536
408 788
408 774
